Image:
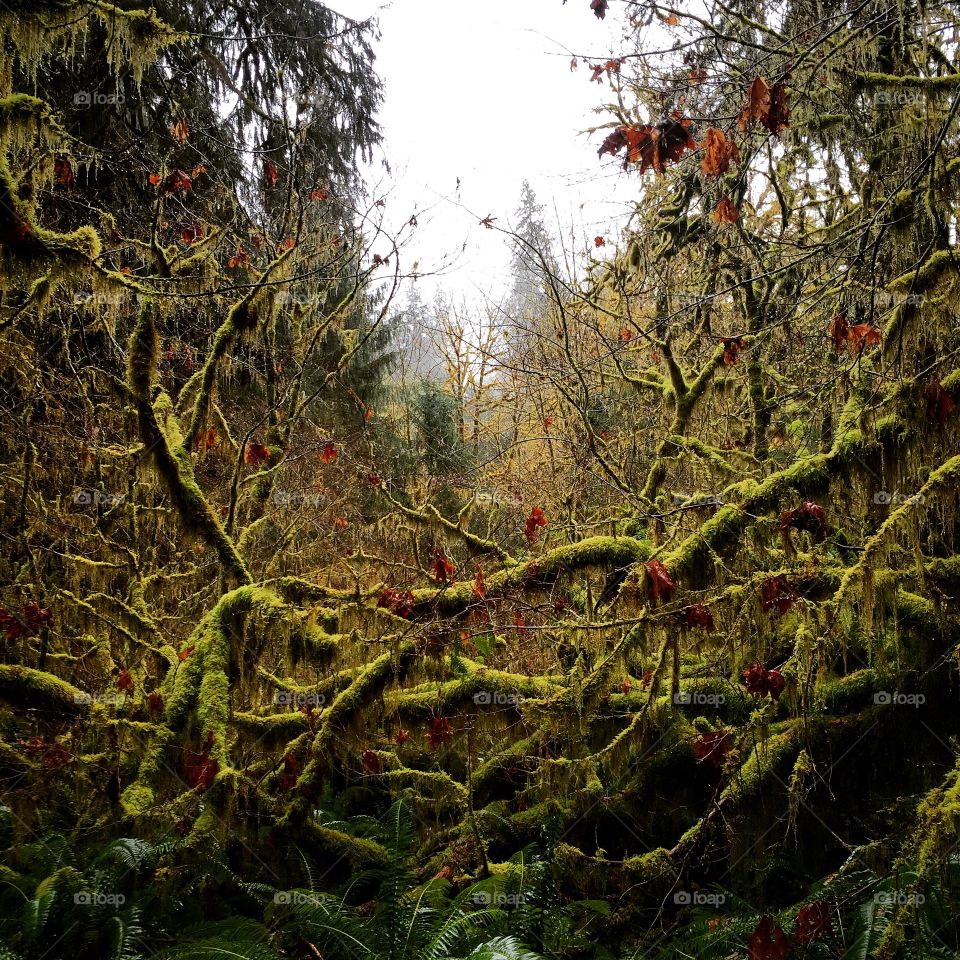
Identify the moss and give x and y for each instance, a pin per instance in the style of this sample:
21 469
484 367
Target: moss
767 760
359 853
25 686
850 693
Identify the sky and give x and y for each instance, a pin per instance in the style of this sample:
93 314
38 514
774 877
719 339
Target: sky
484 92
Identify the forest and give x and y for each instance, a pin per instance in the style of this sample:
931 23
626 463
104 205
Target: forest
619 622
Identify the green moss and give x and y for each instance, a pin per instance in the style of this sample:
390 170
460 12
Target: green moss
27 687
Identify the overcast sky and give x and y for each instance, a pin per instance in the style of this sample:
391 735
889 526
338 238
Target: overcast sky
483 92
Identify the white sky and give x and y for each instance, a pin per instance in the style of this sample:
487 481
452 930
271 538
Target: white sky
483 91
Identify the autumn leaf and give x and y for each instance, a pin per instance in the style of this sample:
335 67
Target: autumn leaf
488 222
609 68
184 654
180 132
125 681
862 335
808 516
240 259
768 942
197 170
731 349
533 523
519 624
776 595
371 762
548 423
839 330
207 440
719 152
697 615
599 242
443 568
626 334
154 179
725 212
939 402
63 172
329 452
154 701
479 585
671 20
626 686
761 682
178 180
191 233
255 454
320 193
402 737
599 8
35 616
374 480
651 146
291 773
341 522
659 583
613 143
813 921
271 176
398 602
766 106
199 769
711 747
574 63
440 732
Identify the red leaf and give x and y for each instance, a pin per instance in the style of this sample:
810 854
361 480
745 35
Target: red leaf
711 747
329 452
719 152
444 570
155 701
813 921
291 773
626 686
63 172
766 104
626 334
374 480
725 212
399 603
731 349
319 194
939 402
548 422
776 595
659 583
178 180
255 453
240 259
479 586
839 330
647 678
185 652
35 616
125 681
808 516
440 732
599 242
599 8
371 762
862 335
199 770
519 624
698 615
207 440
270 175
533 523
402 737
761 682
613 143
768 942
